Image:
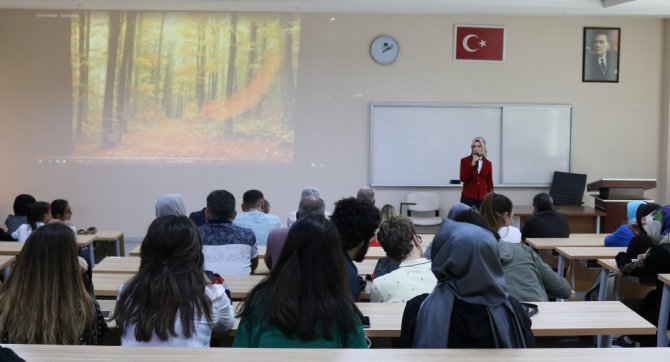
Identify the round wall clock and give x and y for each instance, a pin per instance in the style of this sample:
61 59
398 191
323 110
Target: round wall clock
384 50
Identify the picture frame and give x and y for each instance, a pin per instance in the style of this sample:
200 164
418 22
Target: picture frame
601 49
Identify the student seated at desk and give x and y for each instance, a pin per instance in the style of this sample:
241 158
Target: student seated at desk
304 302
21 206
641 242
44 300
470 306
624 233
38 215
498 212
655 261
527 277
413 276
171 204
169 302
61 212
546 222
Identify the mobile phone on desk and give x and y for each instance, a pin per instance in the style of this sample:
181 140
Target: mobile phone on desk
366 321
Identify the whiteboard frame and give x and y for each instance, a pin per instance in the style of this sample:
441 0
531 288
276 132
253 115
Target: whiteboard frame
463 104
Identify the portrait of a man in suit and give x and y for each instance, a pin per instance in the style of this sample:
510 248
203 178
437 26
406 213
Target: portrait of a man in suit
601 55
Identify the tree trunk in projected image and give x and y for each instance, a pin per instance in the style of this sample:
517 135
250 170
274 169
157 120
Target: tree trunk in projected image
286 72
158 63
167 84
108 139
251 64
230 77
135 78
214 74
200 67
125 74
82 96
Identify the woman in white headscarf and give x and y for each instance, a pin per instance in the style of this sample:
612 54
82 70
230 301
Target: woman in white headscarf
170 204
470 307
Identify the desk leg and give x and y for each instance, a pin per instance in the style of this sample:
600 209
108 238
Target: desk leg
117 246
6 272
572 274
561 265
604 277
91 255
603 341
598 224
661 339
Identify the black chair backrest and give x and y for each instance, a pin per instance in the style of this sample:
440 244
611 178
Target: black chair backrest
567 188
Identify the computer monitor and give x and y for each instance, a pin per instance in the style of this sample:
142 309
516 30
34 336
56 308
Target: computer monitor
567 188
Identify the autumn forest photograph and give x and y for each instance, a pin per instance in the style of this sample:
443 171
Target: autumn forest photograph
169 86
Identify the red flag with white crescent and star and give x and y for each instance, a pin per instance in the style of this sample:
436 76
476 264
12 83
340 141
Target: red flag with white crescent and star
480 43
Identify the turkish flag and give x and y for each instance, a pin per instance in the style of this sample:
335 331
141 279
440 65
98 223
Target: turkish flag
480 43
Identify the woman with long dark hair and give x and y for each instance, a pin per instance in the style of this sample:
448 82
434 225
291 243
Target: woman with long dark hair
44 300
169 301
305 301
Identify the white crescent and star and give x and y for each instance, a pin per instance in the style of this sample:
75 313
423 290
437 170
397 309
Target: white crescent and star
482 43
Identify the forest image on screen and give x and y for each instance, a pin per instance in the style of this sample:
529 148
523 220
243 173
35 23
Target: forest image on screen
183 87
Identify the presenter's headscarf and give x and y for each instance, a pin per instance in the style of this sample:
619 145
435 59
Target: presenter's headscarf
657 225
482 142
170 204
631 209
467 266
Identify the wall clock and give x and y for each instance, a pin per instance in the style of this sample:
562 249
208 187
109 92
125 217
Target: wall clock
384 50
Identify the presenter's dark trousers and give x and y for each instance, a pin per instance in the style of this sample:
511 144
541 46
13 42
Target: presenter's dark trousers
471 202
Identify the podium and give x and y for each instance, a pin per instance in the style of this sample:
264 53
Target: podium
614 195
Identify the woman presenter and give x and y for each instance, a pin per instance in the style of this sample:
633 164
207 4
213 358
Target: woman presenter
476 174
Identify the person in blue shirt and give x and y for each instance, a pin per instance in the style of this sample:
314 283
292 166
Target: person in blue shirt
623 235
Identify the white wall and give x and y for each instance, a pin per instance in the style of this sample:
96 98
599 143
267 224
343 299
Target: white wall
613 125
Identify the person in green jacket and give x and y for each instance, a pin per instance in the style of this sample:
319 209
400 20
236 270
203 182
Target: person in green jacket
305 301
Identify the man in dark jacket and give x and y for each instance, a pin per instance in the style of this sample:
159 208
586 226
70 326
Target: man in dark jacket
545 222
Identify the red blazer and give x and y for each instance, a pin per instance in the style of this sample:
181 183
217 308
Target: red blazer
476 184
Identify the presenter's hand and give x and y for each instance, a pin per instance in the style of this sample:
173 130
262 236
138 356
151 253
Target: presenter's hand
475 159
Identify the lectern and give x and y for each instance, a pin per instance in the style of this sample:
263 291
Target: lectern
614 195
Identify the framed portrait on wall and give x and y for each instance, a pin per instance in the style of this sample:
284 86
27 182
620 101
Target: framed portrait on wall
600 62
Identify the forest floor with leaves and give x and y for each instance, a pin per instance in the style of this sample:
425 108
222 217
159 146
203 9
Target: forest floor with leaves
190 139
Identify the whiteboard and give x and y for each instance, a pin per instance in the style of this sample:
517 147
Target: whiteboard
421 144
536 142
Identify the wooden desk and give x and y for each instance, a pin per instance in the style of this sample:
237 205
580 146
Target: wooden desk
574 240
574 253
10 248
14 247
107 285
553 319
87 241
664 311
5 264
116 237
131 264
636 288
118 265
582 219
159 354
136 250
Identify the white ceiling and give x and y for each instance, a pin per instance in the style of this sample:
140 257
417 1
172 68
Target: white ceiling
648 8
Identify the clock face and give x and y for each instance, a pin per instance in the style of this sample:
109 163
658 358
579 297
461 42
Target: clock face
384 50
